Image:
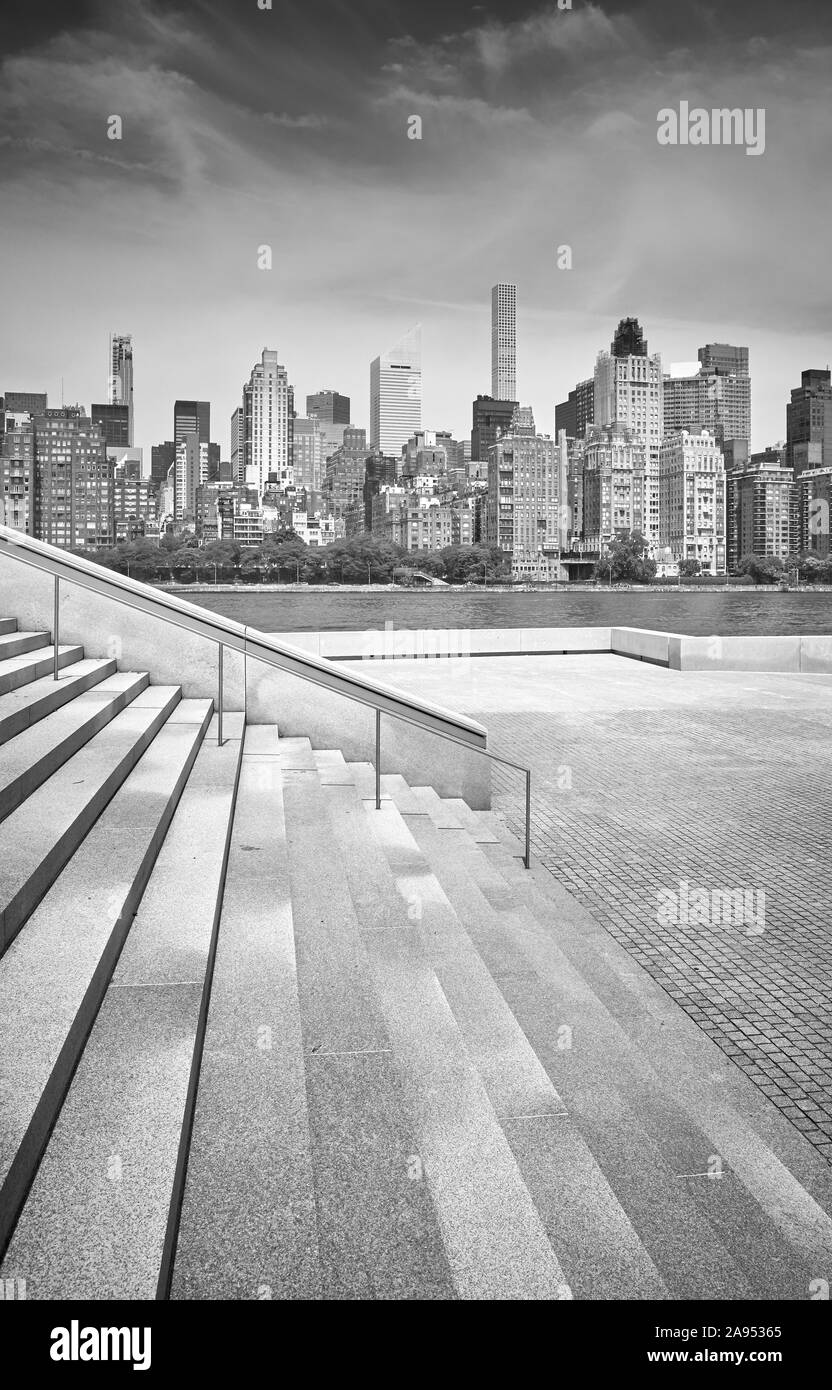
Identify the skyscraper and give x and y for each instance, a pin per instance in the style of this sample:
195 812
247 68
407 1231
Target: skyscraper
577 411
120 385
525 488
489 418
330 407
809 422
74 491
504 342
191 417
628 391
114 421
717 398
396 394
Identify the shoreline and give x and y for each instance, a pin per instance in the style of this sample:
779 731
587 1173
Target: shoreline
452 589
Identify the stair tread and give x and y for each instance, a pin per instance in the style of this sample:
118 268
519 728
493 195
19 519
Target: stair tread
16 671
55 973
495 1242
39 835
247 1227
37 751
19 643
22 707
120 1126
653 1103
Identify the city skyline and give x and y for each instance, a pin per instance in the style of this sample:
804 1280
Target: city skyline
515 160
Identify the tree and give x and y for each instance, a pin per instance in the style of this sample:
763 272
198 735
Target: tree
362 559
688 569
763 569
626 561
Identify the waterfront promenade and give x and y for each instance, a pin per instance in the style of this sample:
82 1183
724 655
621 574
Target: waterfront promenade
646 779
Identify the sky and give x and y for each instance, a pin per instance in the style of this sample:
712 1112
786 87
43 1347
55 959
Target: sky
288 127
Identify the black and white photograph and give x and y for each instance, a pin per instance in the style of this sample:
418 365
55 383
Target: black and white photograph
416 670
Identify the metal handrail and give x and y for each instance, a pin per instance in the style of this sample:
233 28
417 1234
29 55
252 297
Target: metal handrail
74 569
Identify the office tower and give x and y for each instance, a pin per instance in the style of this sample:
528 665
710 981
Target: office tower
266 427
396 394
192 417
190 473
809 423
762 510
114 421
330 407
607 486
717 397
74 500
161 461
577 411
628 392
489 418
308 453
120 384
692 499
25 402
344 483
524 495
17 473
504 342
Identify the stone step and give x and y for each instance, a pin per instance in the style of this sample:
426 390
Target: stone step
20 670
19 643
692 1105
495 1244
601 1252
95 1220
34 754
247 1226
40 837
8 625
23 707
378 1232
55 975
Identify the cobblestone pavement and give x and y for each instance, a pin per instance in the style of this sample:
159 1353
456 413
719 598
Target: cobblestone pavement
649 784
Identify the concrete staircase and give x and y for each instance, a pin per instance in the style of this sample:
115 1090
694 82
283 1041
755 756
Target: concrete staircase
261 1040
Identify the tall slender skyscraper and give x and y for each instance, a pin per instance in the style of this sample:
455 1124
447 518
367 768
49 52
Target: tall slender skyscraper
120 381
396 394
504 342
628 390
267 426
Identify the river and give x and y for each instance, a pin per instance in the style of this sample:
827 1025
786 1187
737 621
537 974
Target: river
707 612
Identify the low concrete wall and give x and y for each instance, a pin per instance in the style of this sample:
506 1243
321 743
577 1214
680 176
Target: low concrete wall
641 643
395 644
789 653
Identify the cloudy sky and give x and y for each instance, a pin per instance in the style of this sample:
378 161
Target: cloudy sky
288 127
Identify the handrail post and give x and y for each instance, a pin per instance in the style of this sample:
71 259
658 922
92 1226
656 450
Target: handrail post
378 758
528 856
55 626
219 694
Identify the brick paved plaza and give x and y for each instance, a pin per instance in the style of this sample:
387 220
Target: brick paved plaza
647 779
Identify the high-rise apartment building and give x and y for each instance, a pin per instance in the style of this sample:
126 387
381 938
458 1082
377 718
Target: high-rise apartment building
308 454
813 509
606 486
345 470
504 342
809 422
74 500
238 448
490 417
17 473
396 394
330 407
629 392
190 473
266 426
692 499
526 483
762 511
120 383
